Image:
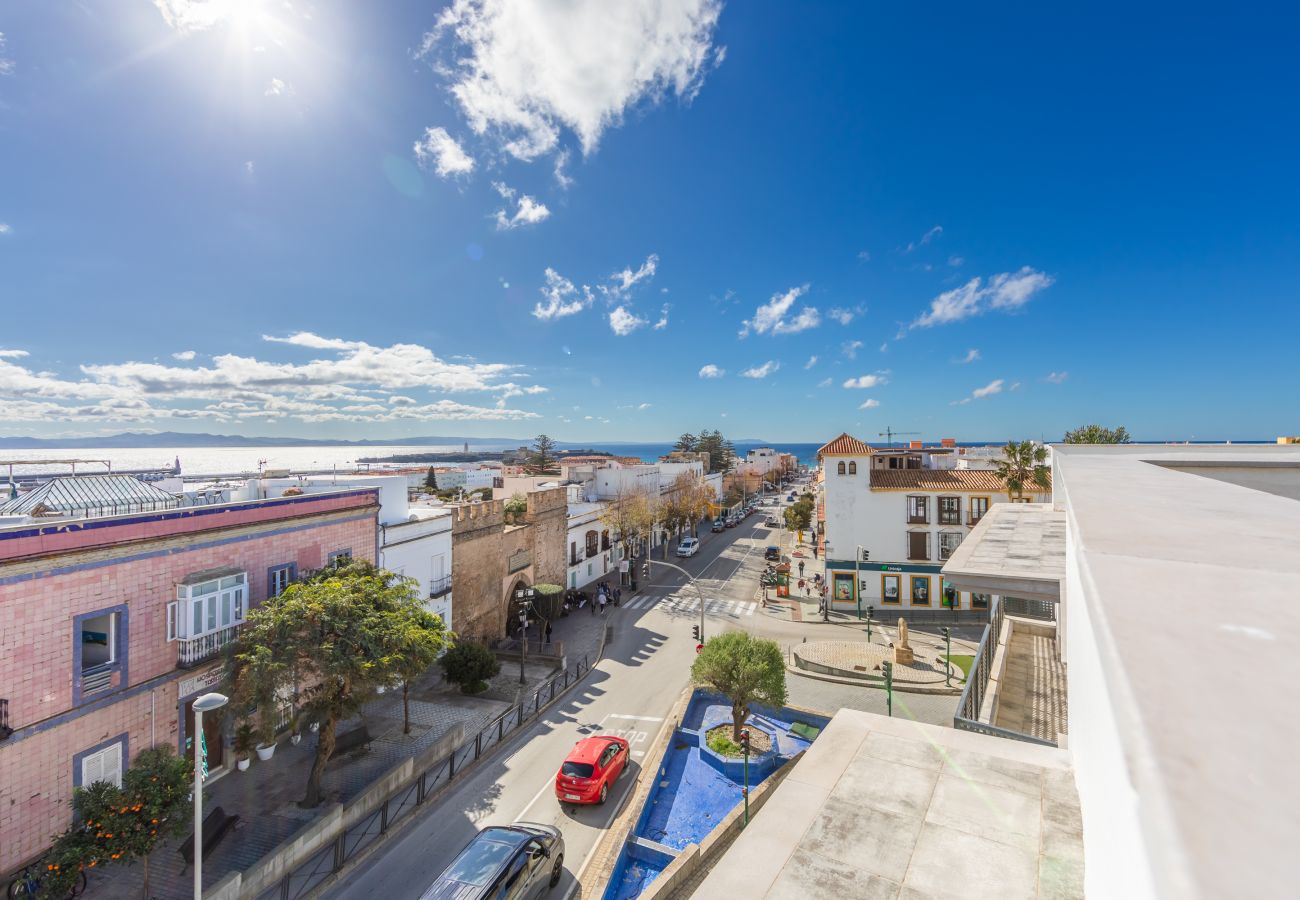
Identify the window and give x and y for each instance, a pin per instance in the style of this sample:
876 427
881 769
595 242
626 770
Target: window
918 545
593 544
979 601
103 763
839 470
853 468
948 541
920 590
889 588
99 648
918 510
949 510
98 641
573 553
340 557
280 577
209 606
604 540
978 507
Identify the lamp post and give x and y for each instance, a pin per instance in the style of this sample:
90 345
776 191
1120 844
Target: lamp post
947 669
206 703
523 596
871 611
857 580
830 593
689 577
744 746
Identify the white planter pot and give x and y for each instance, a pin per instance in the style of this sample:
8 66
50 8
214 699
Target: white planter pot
243 764
265 751
295 739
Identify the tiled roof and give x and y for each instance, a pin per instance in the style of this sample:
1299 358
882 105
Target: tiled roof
845 445
944 480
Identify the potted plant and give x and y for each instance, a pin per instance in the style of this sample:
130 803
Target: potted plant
244 739
265 739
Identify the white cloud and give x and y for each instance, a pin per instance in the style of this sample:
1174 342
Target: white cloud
850 348
825 382
522 72
277 87
970 357
184 355
864 256
870 404
925 239
248 167
956 261
663 317
1015 386
762 371
884 348
993 387
868 381
1005 291
440 151
1057 377
13 354
622 322
812 361
711 371
6 64
4 228
621 283
771 316
505 190
562 178
187 16
527 212
562 298
844 316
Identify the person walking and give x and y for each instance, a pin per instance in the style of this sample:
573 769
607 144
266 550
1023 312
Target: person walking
548 631
801 568
602 600
593 606
814 549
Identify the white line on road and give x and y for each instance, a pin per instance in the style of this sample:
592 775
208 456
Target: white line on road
642 718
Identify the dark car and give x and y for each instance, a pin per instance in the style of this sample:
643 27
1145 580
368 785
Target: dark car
521 860
718 525
773 554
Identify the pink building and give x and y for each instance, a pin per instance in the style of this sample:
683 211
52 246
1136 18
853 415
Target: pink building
111 627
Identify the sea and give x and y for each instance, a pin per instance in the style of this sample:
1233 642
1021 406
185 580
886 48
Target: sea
236 460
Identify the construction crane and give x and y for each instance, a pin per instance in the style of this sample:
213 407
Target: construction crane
888 434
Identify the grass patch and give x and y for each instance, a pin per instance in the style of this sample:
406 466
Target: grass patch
722 745
964 662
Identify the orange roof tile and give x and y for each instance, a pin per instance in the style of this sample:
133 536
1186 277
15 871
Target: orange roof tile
844 445
944 480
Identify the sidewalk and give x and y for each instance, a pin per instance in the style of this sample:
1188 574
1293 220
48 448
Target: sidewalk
265 797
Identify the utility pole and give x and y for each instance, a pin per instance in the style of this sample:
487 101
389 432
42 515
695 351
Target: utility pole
645 571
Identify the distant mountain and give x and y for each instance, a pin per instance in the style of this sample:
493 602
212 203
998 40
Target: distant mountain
186 439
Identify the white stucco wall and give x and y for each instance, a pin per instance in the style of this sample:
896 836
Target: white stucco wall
420 550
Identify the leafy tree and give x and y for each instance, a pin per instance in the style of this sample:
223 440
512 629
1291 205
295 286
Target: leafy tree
686 443
516 508
743 668
722 454
1023 465
470 666
122 825
415 653
344 633
799 515
541 459
431 480
629 516
1096 434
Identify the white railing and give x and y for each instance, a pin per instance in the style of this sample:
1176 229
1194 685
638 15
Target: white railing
195 650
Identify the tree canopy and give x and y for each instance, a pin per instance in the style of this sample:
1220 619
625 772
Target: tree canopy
743 668
1023 465
343 633
541 458
1097 434
722 453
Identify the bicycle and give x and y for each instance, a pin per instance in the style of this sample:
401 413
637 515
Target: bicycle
28 883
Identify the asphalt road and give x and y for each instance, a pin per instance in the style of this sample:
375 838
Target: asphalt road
630 692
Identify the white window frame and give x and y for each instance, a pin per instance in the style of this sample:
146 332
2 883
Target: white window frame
219 603
113 753
945 553
173 610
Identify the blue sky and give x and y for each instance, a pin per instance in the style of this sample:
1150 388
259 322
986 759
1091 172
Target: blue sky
499 219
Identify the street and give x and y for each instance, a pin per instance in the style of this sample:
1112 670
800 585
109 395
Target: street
645 666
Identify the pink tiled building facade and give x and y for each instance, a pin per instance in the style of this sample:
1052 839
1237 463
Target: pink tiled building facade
111 627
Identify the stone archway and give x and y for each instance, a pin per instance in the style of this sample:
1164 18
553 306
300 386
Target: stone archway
512 609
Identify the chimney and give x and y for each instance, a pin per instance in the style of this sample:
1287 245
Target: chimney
948 442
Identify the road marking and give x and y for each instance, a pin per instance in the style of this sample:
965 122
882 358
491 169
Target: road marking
641 718
712 606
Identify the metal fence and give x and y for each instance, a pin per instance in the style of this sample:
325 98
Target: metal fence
311 872
967 717
1030 609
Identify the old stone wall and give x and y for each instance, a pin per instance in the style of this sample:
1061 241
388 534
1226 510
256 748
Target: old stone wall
548 514
478 568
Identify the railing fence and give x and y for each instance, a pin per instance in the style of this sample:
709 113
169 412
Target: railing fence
967 717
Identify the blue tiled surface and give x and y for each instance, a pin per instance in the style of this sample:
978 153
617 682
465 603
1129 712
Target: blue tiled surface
689 797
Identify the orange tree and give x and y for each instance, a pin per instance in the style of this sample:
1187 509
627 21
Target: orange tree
122 824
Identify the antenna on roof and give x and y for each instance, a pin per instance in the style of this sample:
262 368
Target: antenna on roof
888 434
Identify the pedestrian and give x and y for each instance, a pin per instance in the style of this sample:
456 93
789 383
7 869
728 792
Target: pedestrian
807 588
593 607
548 631
814 549
801 568
601 598
618 596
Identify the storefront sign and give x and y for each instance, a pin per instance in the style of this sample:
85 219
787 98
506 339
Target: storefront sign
204 681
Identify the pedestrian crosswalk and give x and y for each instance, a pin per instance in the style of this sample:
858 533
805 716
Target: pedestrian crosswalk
712 607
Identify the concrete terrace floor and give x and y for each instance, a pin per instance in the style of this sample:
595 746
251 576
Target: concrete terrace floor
884 808
1031 692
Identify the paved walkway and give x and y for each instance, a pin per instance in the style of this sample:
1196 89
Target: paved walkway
265 797
1031 695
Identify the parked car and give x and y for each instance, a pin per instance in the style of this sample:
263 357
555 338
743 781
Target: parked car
689 546
718 525
592 766
772 554
520 860
772 522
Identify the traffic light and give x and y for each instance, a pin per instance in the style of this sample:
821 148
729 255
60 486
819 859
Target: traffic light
695 633
744 741
645 569
946 631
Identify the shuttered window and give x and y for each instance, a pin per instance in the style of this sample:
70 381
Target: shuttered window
918 510
106 765
918 545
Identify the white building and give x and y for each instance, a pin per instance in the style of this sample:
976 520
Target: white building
414 541
592 554
891 520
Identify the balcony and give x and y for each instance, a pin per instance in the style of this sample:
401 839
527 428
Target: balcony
200 649
439 587
974 519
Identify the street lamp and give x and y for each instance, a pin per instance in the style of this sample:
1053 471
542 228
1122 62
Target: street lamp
523 596
947 669
889 687
830 592
206 703
871 611
689 577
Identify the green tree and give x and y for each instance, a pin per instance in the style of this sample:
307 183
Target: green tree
431 480
798 516
1097 434
686 443
415 653
344 633
516 508
1023 465
470 666
123 824
743 668
629 517
541 458
722 454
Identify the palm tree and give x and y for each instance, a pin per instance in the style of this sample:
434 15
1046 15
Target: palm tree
1024 465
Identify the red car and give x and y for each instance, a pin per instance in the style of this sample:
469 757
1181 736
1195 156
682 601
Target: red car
592 766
